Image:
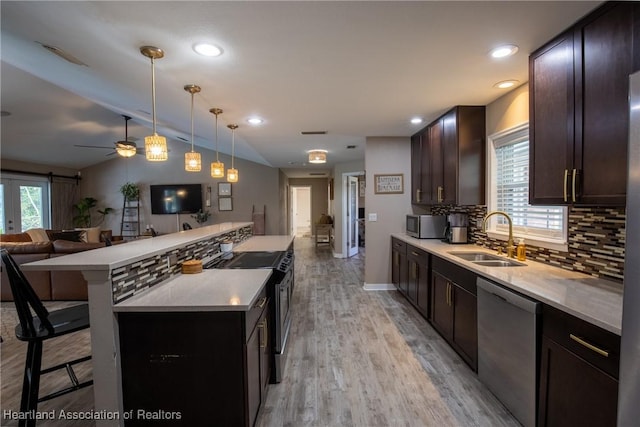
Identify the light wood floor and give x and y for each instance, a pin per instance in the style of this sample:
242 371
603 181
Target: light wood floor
356 358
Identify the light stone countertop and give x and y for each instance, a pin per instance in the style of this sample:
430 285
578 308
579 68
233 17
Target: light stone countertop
211 290
589 298
265 243
112 257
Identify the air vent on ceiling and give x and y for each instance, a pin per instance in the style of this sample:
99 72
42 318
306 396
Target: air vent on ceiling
317 173
351 147
62 54
314 132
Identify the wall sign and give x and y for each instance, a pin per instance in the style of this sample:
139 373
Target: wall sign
389 184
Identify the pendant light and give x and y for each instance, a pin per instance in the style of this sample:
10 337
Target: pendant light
217 167
318 156
192 160
155 146
232 174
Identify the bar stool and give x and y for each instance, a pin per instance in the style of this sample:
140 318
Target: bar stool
37 329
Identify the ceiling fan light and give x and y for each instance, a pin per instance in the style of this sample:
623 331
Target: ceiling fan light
155 148
217 170
318 156
232 175
126 150
192 161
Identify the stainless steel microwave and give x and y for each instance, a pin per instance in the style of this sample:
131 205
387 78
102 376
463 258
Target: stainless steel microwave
426 226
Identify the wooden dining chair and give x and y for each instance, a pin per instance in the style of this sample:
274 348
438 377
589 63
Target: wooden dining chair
37 329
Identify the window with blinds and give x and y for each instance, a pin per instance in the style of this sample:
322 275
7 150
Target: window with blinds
510 190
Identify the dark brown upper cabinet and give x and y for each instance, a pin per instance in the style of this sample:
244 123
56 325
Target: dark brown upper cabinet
579 112
449 166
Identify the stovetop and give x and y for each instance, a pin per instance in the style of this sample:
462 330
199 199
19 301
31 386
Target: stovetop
248 260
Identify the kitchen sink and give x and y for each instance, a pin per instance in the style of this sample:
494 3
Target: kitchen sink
488 260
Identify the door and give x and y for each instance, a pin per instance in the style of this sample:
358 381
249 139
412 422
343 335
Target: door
301 211
24 204
352 215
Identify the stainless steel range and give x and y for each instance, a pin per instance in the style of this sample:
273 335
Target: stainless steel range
279 291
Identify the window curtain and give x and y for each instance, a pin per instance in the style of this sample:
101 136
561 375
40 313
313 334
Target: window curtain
63 196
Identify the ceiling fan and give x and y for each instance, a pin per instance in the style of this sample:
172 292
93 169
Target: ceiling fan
125 148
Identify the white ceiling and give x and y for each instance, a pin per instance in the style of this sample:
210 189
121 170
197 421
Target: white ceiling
353 69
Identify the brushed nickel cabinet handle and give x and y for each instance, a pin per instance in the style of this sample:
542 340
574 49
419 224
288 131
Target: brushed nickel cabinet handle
262 302
263 325
564 184
591 347
415 253
418 195
440 198
573 185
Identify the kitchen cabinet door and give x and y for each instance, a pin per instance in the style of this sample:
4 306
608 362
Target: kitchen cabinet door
436 163
574 392
418 266
441 311
603 90
551 111
254 386
420 168
465 325
399 267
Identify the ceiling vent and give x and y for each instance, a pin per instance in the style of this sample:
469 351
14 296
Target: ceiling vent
62 54
351 147
317 173
314 132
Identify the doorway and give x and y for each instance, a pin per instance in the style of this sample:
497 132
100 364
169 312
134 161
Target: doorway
24 203
300 211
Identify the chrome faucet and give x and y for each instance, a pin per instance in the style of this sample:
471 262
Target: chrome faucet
510 247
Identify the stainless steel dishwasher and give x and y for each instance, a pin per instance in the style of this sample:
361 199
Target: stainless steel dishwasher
508 348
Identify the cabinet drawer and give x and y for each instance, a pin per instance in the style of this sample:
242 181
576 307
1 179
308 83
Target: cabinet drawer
253 315
418 255
398 245
595 345
462 277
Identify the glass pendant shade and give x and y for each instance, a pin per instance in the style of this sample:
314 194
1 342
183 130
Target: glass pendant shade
192 162
217 167
155 148
318 156
217 170
232 175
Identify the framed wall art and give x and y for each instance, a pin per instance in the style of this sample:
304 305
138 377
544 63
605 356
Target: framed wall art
389 183
224 189
225 204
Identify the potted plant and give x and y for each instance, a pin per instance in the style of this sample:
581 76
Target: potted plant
130 191
201 216
83 208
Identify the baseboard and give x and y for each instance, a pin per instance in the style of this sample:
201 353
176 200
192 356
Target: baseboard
378 287
338 255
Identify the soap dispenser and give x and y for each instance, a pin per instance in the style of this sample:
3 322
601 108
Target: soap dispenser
521 251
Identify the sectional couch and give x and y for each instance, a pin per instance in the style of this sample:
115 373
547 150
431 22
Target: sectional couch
48 285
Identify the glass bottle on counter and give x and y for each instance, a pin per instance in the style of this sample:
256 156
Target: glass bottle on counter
521 251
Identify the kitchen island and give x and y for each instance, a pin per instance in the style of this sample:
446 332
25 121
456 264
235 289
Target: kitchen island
124 278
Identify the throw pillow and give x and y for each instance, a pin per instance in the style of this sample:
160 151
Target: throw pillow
38 235
71 236
91 235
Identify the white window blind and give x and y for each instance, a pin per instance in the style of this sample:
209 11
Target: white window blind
511 193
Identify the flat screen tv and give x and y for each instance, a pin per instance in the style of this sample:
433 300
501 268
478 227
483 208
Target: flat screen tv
176 198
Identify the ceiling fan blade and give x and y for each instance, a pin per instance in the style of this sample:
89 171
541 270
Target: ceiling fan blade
92 146
111 154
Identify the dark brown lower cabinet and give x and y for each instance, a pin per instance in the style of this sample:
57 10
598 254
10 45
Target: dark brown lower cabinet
194 368
399 265
578 373
418 278
454 311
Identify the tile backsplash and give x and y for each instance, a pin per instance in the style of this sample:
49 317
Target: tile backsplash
596 238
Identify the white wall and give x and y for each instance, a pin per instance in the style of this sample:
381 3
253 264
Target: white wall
385 155
509 110
258 186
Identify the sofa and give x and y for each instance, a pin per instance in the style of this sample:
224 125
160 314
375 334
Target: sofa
48 285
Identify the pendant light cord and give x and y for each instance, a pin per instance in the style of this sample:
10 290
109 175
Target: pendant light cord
153 95
233 145
217 160
192 122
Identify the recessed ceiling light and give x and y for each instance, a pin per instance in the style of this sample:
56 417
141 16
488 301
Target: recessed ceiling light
416 121
255 120
506 84
206 49
504 51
